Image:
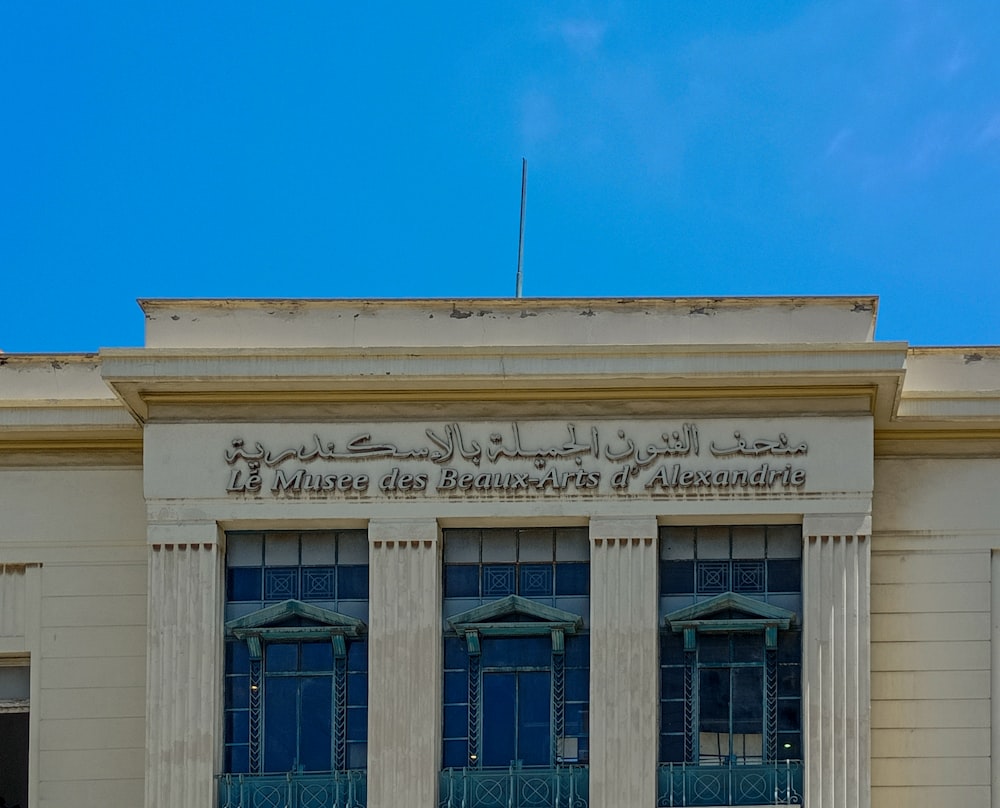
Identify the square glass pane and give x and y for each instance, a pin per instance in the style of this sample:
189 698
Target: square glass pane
317 656
456 754
572 544
713 700
357 655
499 545
238 726
672 647
789 714
357 755
748 541
498 580
281 657
237 657
319 549
319 583
281 583
461 581
789 646
713 648
357 724
748 700
352 582
784 575
461 546
243 583
577 718
237 692
281 549
357 689
536 580
676 543
456 687
676 577
672 716
352 547
671 748
784 541
572 579
456 720
672 682
577 684
713 542
535 544
789 746
577 651
238 759
789 680
455 656
748 647
712 577
244 550
748 577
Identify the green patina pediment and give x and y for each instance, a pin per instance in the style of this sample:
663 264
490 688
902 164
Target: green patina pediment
514 616
293 620
729 613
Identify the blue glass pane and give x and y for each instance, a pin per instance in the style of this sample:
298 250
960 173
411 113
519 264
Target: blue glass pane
352 582
713 699
280 723
238 759
534 713
456 721
713 648
498 580
281 657
316 723
237 657
789 646
578 651
784 575
357 724
319 583
499 718
461 581
243 583
456 687
748 576
789 746
713 576
748 700
237 691
357 656
789 714
238 726
357 756
281 583
672 647
748 647
454 653
676 577
317 656
536 580
357 689
576 719
456 754
789 680
672 716
672 683
671 748
517 652
577 684
572 579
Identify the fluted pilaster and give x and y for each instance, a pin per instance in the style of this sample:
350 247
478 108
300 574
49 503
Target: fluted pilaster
404 661
624 661
837 667
183 674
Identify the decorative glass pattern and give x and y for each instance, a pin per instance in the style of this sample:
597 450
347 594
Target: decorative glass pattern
281 583
713 577
319 583
748 576
498 581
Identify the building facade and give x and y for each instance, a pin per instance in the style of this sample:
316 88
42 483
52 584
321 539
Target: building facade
501 553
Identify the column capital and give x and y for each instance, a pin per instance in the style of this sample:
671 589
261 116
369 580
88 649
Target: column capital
173 534
623 527
415 531
837 524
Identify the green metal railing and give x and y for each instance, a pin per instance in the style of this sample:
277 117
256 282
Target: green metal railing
687 784
516 787
346 789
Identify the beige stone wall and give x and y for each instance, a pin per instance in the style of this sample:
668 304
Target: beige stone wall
935 523
82 621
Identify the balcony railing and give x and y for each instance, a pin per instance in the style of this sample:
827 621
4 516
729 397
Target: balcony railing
347 789
533 787
685 784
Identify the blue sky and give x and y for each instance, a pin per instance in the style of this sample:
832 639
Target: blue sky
327 149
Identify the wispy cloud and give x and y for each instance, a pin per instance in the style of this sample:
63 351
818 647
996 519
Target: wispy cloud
582 36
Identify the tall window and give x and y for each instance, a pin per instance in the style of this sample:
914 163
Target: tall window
730 686
516 650
296 689
14 706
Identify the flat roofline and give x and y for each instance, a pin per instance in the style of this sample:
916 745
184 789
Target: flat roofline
863 302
